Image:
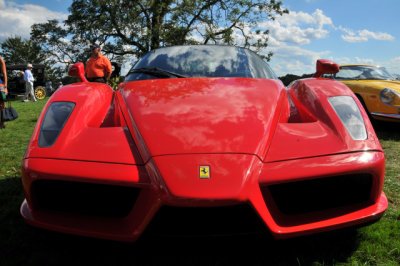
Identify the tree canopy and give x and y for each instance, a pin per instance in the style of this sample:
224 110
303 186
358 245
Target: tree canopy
16 50
126 27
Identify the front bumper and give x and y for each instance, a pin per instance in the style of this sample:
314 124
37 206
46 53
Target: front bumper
254 192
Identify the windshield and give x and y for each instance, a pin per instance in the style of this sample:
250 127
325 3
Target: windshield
363 73
200 61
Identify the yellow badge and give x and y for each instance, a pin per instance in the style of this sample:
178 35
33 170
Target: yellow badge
204 171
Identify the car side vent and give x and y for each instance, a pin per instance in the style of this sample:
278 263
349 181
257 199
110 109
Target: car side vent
299 113
112 118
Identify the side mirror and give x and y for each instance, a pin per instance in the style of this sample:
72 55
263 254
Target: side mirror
325 67
77 70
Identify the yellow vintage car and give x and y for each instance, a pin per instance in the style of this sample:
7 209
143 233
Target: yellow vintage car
375 87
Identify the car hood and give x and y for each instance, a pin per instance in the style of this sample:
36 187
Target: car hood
204 115
381 84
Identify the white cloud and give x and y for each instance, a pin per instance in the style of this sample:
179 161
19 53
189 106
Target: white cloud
295 60
290 31
393 65
16 20
297 27
364 35
341 60
366 61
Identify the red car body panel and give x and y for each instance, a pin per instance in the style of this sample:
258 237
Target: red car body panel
325 134
154 135
201 115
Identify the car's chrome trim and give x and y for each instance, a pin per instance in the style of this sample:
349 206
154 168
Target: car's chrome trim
387 115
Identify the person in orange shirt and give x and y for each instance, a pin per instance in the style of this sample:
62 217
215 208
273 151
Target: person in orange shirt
98 67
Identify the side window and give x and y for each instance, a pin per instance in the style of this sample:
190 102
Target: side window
348 73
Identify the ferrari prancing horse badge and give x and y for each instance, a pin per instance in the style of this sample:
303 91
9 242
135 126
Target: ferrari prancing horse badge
204 171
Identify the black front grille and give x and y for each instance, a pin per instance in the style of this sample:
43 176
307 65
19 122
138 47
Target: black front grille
84 198
206 221
320 194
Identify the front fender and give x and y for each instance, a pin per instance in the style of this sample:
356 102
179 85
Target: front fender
83 136
322 132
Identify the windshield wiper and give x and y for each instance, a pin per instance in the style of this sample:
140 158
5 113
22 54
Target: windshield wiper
158 72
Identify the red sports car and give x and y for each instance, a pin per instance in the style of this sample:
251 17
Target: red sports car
203 127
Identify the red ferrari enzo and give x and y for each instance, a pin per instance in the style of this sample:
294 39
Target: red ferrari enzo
203 127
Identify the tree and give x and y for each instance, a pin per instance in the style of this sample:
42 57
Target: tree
126 27
289 78
57 43
16 50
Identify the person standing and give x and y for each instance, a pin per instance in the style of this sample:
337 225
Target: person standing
59 85
3 89
49 87
98 67
28 77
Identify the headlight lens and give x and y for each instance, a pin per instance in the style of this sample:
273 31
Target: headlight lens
387 95
350 115
53 122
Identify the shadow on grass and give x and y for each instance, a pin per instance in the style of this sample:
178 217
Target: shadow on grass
21 244
387 130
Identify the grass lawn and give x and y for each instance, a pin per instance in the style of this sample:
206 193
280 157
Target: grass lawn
20 244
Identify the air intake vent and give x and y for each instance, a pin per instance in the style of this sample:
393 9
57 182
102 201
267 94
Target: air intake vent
321 194
84 198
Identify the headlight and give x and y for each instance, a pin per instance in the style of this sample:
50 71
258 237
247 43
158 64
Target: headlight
348 112
387 95
53 122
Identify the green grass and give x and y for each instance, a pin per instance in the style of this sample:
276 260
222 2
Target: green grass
15 137
21 244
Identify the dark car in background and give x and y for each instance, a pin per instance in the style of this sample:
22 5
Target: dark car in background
16 83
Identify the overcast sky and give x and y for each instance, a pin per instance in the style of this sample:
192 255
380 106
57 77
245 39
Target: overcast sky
346 31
